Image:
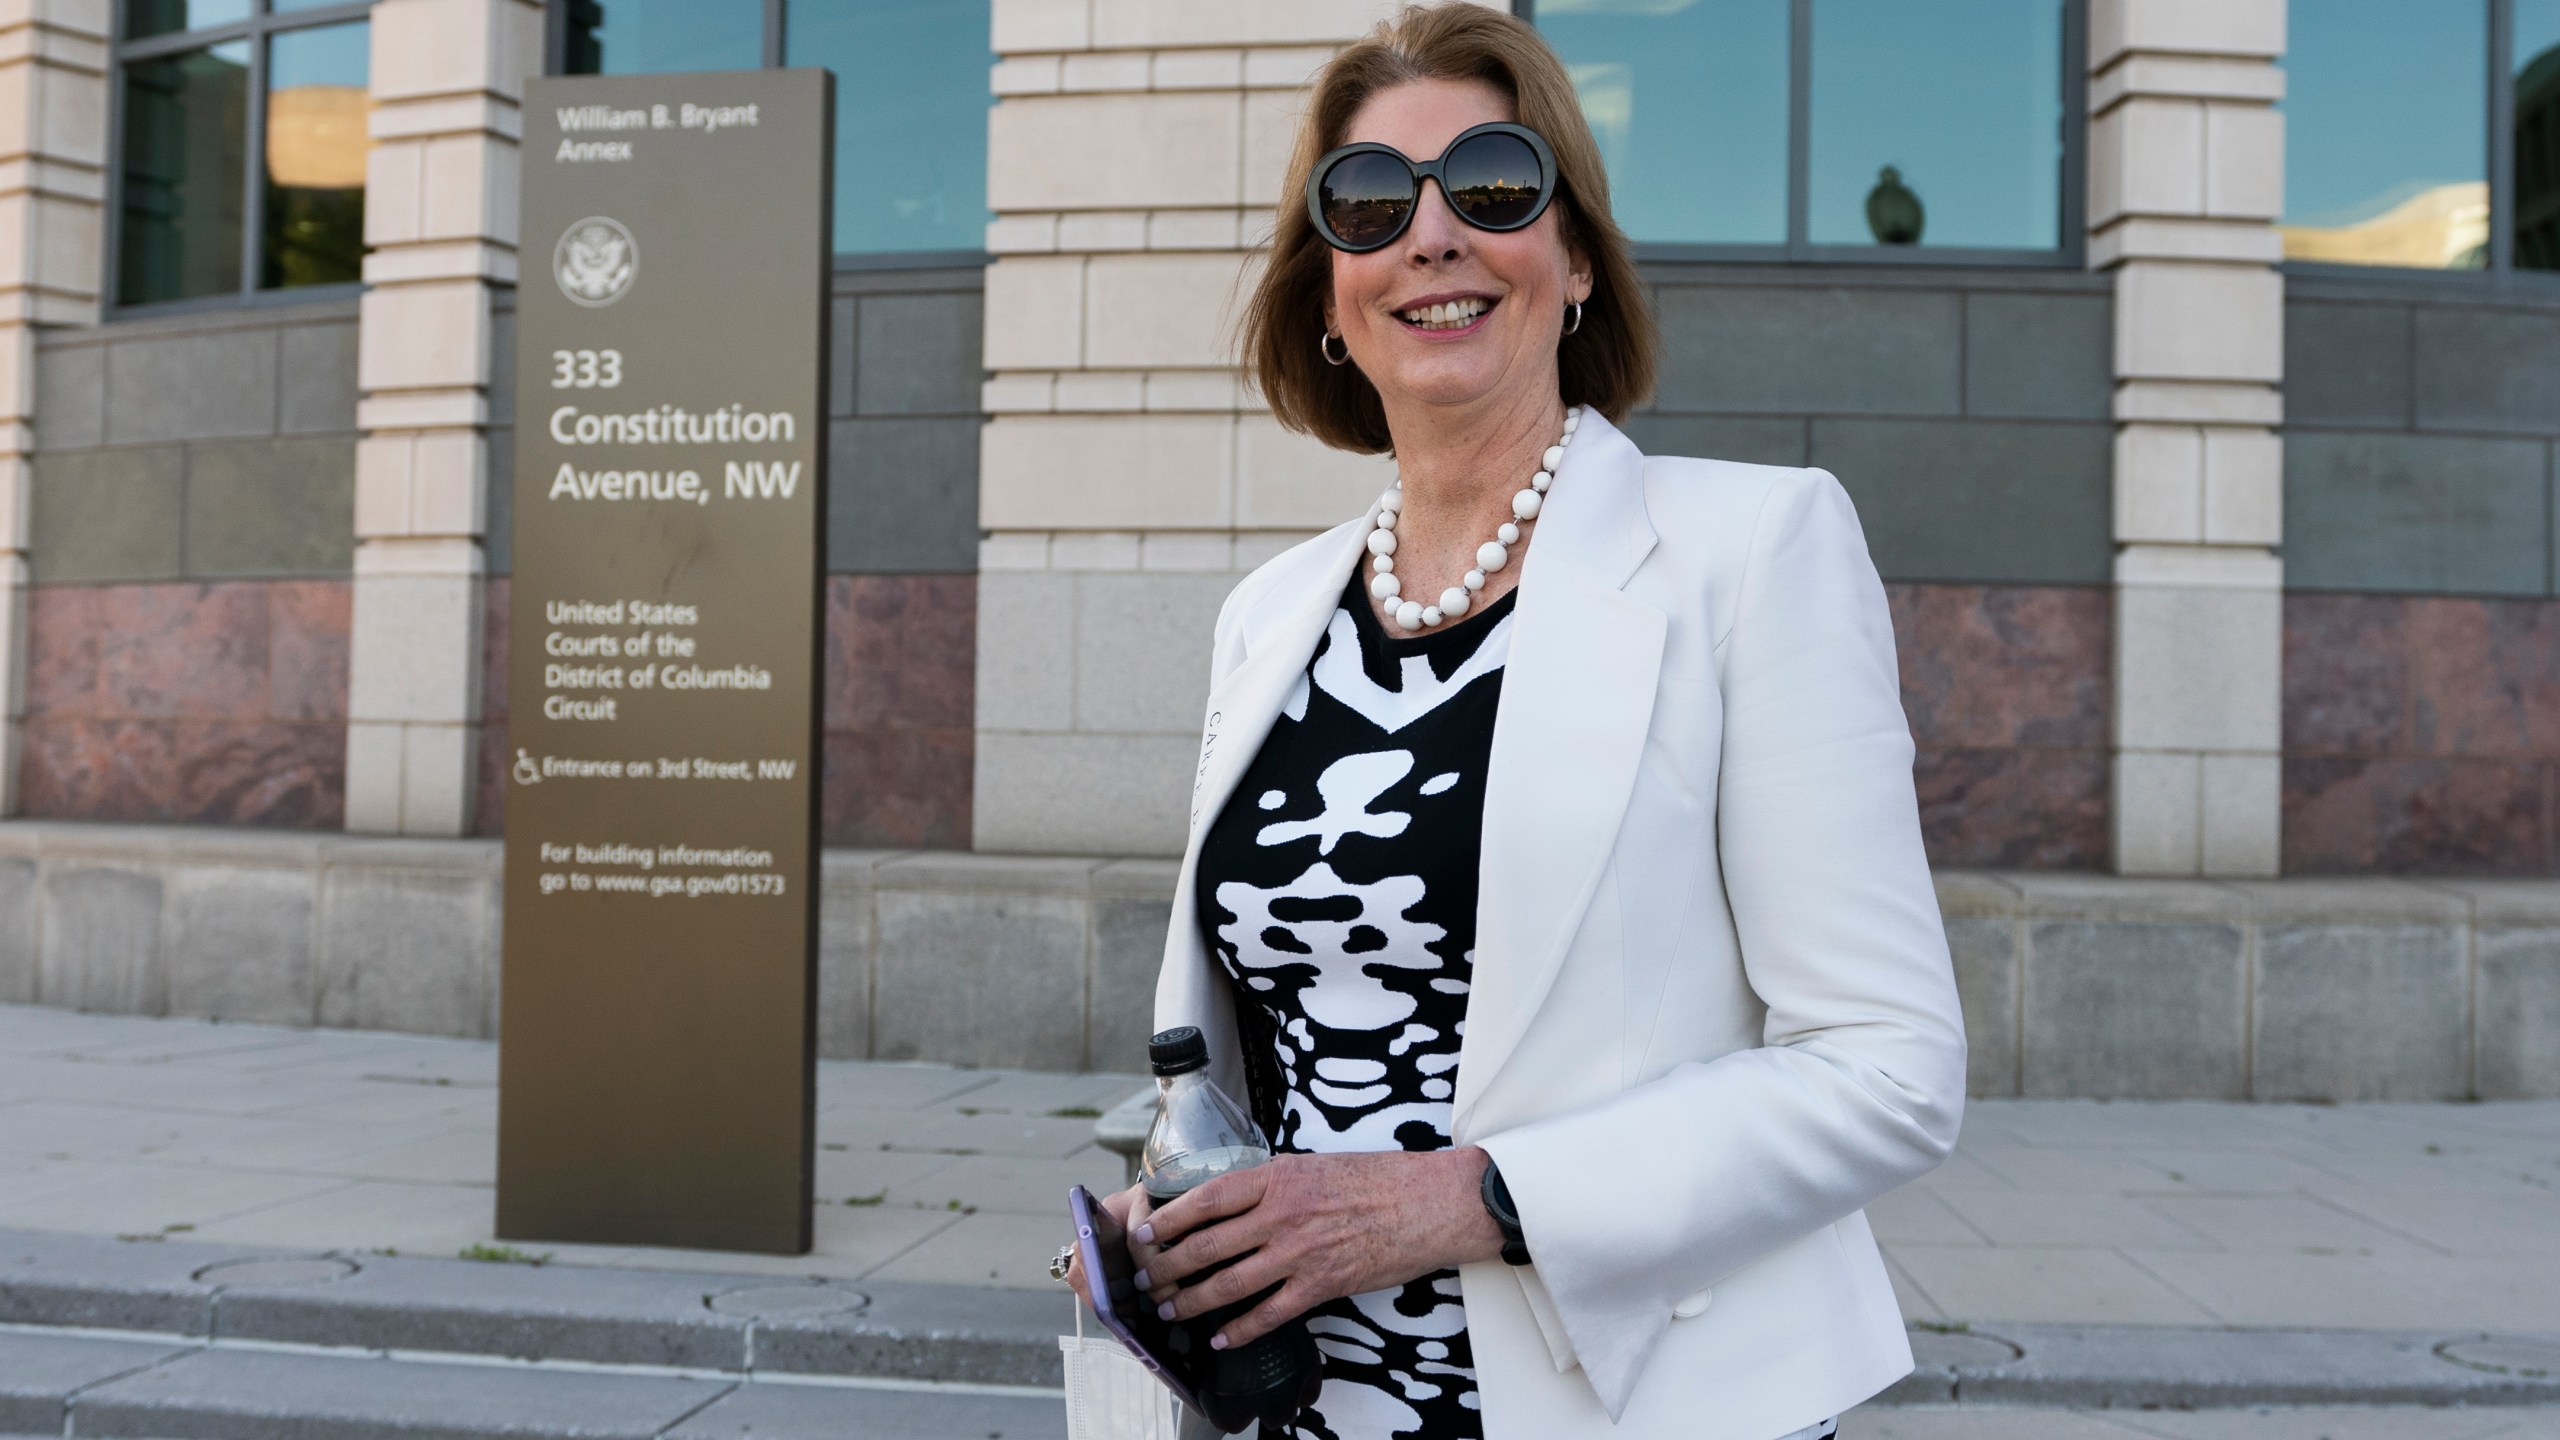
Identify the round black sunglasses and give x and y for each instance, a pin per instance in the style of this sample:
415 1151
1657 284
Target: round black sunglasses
1497 177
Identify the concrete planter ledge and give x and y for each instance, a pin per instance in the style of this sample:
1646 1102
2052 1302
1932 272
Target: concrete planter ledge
2074 985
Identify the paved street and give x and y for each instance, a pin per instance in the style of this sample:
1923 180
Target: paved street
2380 1218
2357 1217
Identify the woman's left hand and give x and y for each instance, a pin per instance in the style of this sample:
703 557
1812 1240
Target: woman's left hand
1320 1227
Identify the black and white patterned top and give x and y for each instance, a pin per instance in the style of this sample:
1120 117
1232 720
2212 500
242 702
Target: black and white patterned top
1338 890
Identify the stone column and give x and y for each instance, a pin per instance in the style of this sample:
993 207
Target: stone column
2186 180
1128 477
440 213
53 153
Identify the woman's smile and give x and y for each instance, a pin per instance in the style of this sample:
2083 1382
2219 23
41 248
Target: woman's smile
1444 316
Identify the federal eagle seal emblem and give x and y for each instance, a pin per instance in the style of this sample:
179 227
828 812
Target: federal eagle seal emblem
595 261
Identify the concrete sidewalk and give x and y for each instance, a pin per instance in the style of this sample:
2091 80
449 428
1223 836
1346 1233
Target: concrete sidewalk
2367 1217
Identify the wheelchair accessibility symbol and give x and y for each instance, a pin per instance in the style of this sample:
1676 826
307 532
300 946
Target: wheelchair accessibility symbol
527 772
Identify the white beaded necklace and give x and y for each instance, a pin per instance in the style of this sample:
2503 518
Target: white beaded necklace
1491 556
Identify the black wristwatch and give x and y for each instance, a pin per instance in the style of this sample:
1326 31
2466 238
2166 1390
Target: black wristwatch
1506 1216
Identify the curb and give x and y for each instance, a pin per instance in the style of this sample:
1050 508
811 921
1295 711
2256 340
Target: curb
746 1325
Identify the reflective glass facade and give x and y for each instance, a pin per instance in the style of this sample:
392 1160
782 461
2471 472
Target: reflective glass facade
211 90
1689 104
2387 137
911 96
1936 125
2537 134
183 183
1914 127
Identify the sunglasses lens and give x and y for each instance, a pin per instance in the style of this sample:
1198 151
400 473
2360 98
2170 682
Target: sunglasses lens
1365 197
1494 180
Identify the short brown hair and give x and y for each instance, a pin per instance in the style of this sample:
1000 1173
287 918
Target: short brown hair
1607 363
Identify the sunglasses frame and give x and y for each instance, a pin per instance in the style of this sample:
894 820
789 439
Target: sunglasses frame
1549 182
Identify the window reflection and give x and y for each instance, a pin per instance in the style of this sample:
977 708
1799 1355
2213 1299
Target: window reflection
143 18
1688 99
185 161
1937 125
2386 155
648 37
2537 198
316 143
911 118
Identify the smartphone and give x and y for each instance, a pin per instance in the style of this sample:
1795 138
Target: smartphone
1123 1309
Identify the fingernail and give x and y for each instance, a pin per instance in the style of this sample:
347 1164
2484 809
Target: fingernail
1143 1282
1165 1311
1147 1234
1217 1342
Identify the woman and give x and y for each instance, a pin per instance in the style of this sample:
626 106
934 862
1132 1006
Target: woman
1555 888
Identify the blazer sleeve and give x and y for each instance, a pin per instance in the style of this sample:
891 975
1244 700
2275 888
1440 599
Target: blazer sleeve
1661 1191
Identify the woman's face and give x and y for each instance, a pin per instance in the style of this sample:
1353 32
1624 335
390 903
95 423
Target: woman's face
1506 292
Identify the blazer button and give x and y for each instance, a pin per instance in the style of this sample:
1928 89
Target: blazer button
1695 1306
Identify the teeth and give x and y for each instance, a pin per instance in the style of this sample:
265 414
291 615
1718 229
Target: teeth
1448 315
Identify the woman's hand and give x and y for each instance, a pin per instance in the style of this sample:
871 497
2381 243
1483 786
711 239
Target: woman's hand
1318 1226
1131 1208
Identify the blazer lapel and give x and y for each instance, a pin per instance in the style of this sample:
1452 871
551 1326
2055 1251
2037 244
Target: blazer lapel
1243 706
1577 701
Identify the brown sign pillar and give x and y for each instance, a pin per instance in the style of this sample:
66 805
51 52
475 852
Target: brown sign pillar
656 1080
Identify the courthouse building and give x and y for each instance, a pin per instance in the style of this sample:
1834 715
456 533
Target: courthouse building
2195 369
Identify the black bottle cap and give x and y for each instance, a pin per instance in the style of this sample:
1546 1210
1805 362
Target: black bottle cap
1178 1051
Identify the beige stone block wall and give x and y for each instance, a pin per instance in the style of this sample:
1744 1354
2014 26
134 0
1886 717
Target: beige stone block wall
53 151
1128 477
440 212
2186 177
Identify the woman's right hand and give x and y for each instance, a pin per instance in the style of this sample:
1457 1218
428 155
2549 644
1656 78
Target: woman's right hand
1131 1208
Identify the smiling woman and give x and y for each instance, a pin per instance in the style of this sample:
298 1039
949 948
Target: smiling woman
1554 891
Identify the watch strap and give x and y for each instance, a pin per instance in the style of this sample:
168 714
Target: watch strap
1506 1216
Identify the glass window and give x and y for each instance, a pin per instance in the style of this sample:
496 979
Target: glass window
317 102
184 174
1689 104
1926 126
2386 142
2537 132
911 118
193 218
167 17
1936 124
911 96
647 37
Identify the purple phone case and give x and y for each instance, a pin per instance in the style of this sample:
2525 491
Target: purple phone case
1102 1279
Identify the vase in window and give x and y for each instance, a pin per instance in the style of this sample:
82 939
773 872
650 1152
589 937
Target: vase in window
1894 212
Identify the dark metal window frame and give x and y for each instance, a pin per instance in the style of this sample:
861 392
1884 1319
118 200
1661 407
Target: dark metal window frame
777 19
257 29
2500 275
2072 222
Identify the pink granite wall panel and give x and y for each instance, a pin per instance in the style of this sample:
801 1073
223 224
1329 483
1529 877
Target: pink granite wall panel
211 703
2422 735
2006 690
901 710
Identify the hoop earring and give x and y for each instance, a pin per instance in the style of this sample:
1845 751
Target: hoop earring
1324 347
1574 323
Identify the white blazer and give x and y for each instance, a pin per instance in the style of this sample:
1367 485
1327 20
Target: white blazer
1712 1014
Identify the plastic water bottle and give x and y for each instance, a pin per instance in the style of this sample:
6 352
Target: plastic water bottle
1199 1135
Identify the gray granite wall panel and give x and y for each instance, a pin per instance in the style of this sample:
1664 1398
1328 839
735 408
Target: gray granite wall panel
2347 363
271 507
106 515
1747 438
316 381
903 496
2038 356
2487 369
924 353
1978 500
2518 1010
1804 350
2368 510
71 397
214 386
